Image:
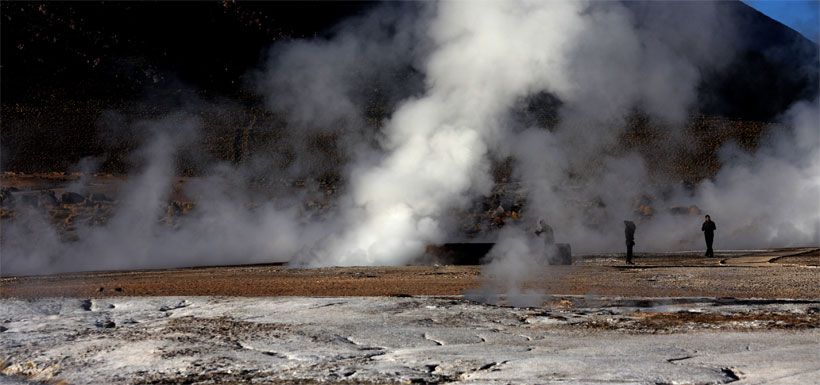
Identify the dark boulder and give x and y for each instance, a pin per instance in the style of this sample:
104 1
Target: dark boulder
107 324
562 254
71 198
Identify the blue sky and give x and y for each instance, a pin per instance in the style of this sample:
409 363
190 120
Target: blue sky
800 15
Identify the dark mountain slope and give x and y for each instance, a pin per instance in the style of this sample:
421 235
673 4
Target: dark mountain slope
63 64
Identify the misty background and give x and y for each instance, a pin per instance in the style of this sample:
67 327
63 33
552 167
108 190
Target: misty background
372 131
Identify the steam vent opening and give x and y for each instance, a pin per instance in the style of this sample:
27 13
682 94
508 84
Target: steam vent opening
459 253
476 253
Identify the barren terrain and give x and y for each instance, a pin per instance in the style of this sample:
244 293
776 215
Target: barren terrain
745 316
786 273
429 340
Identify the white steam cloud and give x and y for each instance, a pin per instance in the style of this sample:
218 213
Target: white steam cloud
436 144
447 79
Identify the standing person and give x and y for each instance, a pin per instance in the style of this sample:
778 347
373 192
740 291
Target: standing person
708 229
629 232
543 228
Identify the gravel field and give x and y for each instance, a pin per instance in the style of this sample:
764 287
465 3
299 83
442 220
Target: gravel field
663 275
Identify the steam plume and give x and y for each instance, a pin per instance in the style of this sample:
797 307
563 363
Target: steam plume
448 78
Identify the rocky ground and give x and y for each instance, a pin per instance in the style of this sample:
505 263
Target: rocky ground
385 340
673 318
678 318
69 201
785 273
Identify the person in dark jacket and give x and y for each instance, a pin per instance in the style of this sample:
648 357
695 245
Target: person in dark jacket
708 229
629 232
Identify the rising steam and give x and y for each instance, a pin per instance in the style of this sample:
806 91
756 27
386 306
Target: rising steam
450 77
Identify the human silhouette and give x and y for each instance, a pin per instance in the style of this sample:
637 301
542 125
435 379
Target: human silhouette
708 229
629 232
542 228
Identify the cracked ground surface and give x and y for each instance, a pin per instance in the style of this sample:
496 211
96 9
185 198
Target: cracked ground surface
570 339
743 318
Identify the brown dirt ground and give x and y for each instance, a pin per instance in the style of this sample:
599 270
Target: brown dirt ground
805 259
653 276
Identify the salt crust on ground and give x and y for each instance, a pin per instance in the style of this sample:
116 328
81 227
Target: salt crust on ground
570 340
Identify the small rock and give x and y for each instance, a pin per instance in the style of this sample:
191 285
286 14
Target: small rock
108 324
179 305
71 198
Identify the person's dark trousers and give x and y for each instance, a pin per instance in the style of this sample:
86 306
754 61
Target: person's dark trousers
629 251
709 252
